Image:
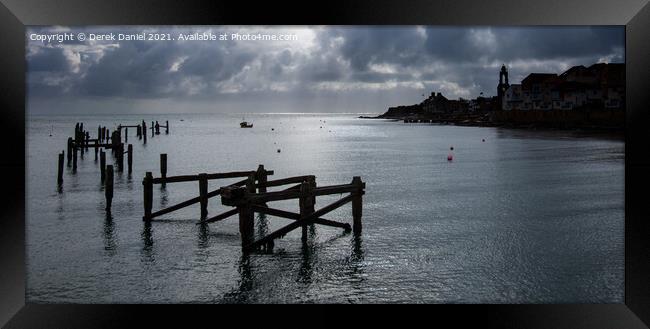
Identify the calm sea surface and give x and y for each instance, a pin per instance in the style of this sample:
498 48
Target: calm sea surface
525 216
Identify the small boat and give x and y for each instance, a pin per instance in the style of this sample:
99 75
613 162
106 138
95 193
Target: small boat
245 124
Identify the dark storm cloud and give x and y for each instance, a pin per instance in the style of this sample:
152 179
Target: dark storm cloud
342 62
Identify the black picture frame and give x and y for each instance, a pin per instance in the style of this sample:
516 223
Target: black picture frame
634 14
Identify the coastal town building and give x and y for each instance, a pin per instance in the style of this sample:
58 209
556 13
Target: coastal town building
599 86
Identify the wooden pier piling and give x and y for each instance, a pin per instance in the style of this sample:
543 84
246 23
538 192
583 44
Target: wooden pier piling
74 158
60 169
262 178
130 158
102 165
357 205
247 216
163 168
108 187
167 127
148 195
306 204
120 157
203 195
69 149
126 134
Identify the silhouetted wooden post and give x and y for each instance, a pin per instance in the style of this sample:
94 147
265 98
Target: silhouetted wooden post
120 157
148 195
87 139
356 205
152 128
108 135
139 131
60 173
261 179
166 126
74 158
69 149
144 131
306 204
126 134
96 147
312 184
203 194
163 167
247 216
102 165
130 157
108 187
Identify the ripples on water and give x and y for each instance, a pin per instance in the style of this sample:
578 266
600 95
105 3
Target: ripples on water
526 216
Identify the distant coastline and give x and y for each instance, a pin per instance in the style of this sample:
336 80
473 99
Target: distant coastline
586 119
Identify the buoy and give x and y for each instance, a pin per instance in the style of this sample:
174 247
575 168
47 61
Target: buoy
321 127
450 157
272 129
483 139
278 150
451 148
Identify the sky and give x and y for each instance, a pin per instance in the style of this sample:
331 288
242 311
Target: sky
313 69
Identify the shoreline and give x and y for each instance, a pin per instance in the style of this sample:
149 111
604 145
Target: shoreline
614 130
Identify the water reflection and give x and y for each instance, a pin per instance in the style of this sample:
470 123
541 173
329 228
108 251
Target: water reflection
147 240
109 235
309 255
262 226
246 282
204 232
164 196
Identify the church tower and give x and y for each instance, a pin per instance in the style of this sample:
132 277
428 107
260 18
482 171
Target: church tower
503 84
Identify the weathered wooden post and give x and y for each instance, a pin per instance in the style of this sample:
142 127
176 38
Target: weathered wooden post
69 149
152 128
96 148
138 131
148 195
87 139
163 167
120 157
74 158
357 204
312 184
261 179
108 187
246 215
203 194
102 165
60 173
306 204
166 126
144 131
82 137
130 157
108 135
126 135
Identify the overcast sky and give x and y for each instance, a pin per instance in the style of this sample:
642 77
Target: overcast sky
327 69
